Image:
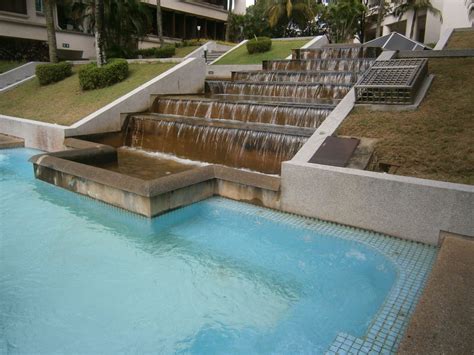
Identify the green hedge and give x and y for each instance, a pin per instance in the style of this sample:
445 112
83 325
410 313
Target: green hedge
259 45
92 77
156 52
53 72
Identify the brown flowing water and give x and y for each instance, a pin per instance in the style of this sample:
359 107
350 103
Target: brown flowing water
307 91
335 77
254 150
356 65
285 115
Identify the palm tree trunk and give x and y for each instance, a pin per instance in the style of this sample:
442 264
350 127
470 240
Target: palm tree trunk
50 30
99 32
229 18
412 28
159 23
380 14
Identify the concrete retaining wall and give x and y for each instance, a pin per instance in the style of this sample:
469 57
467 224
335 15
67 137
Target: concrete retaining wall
405 207
36 134
225 71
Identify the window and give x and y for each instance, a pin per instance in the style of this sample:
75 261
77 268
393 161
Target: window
17 6
39 5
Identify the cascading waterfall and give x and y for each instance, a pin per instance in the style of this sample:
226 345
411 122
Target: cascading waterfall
313 91
335 77
338 52
254 150
310 117
355 65
293 93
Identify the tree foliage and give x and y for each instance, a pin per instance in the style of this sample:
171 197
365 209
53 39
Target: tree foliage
342 19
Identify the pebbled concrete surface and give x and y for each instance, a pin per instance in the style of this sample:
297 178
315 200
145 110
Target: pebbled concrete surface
443 322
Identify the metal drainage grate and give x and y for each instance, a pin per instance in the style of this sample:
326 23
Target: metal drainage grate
391 81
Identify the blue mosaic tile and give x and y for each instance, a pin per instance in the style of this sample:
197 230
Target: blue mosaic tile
412 260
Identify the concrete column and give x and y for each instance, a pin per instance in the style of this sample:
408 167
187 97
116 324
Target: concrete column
240 7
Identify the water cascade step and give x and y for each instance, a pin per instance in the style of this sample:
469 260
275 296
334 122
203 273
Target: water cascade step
245 111
325 77
240 148
280 89
342 64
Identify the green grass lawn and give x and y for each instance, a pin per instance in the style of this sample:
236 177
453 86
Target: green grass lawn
6 65
435 141
461 40
182 52
280 50
64 102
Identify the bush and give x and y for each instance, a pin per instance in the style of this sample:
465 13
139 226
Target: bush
156 52
259 45
92 77
53 72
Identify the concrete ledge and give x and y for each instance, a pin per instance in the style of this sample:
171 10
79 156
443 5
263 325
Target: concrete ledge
443 322
36 134
404 207
10 142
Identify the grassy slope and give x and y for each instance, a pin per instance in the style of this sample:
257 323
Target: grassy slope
280 50
182 52
461 40
6 65
64 102
435 141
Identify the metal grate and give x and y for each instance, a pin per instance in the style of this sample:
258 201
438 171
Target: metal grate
391 81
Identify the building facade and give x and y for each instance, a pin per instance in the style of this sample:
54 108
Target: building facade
182 19
428 26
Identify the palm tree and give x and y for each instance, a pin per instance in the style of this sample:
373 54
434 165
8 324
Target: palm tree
416 6
159 23
50 30
99 32
296 11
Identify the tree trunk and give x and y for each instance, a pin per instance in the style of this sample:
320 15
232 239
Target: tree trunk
229 17
415 13
159 23
99 33
380 14
51 30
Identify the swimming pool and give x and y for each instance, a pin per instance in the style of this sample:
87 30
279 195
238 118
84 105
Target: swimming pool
215 277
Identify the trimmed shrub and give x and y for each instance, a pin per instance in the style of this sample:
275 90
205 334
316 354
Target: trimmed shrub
92 77
156 52
53 72
259 45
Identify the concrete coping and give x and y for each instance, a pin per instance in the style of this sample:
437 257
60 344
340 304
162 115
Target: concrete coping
74 162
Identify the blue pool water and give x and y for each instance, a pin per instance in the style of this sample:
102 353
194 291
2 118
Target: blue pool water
79 276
